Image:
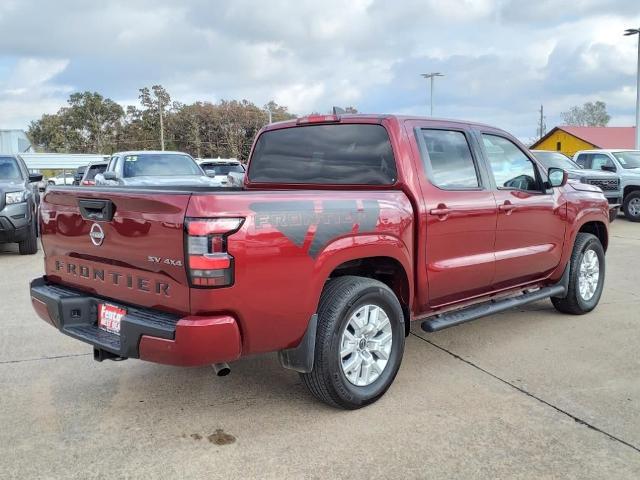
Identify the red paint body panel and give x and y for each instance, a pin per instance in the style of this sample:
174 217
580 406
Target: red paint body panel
294 236
198 341
277 282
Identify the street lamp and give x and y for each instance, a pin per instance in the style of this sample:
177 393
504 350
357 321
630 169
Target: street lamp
628 32
431 76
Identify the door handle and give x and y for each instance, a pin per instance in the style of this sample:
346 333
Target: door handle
441 211
507 207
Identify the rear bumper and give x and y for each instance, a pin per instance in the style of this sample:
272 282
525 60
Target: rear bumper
147 334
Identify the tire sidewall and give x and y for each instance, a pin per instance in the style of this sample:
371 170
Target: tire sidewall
363 395
627 200
588 305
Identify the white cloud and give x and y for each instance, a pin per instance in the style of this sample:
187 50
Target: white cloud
502 58
28 92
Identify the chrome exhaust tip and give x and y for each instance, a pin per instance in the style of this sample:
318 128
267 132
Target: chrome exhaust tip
221 369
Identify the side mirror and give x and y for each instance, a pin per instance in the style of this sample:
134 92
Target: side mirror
210 173
557 177
35 177
109 176
608 168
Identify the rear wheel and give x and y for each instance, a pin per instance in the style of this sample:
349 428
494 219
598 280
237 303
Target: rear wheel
29 245
359 342
631 206
586 276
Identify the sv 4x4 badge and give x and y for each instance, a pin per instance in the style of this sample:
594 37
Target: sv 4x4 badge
167 261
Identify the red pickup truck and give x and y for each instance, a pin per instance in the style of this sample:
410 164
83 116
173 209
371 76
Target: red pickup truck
346 229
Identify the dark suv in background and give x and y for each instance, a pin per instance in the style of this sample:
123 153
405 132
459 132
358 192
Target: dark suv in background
77 177
89 177
18 204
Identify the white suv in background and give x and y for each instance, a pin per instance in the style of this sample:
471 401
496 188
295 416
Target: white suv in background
228 171
626 163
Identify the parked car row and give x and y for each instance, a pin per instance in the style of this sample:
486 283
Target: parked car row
615 171
608 182
623 163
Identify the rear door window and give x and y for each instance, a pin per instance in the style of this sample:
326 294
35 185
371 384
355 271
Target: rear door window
344 154
448 160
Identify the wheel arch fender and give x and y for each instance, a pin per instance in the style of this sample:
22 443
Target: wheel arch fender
340 252
360 248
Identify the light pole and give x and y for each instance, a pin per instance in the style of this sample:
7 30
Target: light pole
628 32
431 76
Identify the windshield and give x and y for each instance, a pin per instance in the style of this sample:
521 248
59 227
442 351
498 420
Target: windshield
555 160
220 169
628 159
94 170
9 169
159 165
357 154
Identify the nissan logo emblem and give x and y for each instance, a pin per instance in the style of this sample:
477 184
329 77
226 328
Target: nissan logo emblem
96 235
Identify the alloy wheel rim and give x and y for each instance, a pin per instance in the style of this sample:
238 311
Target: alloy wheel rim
634 207
365 345
588 275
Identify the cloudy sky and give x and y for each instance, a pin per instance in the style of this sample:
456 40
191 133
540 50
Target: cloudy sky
501 58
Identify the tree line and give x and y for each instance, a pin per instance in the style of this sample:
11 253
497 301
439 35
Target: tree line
91 123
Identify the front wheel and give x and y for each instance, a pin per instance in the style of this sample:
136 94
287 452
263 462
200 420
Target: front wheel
29 245
359 342
631 206
586 276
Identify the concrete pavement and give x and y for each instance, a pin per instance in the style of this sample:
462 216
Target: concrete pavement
523 394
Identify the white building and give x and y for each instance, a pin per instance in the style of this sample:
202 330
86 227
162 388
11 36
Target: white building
14 141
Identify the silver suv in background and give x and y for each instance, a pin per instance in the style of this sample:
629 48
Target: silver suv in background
608 182
626 164
153 168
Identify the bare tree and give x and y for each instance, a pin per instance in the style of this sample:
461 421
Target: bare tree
589 115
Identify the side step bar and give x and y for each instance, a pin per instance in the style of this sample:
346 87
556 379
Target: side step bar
451 319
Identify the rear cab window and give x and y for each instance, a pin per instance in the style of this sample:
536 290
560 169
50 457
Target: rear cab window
341 154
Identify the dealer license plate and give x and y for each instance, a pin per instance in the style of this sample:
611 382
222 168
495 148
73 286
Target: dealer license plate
109 317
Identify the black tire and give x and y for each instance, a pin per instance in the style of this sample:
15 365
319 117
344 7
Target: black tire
573 303
631 214
29 245
340 299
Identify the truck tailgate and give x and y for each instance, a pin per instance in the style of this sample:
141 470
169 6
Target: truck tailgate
118 244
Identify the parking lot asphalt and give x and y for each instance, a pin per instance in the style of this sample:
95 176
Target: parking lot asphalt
523 394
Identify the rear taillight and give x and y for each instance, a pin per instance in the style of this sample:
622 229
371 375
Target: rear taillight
88 182
209 264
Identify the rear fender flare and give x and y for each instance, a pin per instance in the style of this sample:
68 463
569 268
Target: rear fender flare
300 358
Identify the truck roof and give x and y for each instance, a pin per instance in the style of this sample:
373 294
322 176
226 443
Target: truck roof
380 117
605 150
